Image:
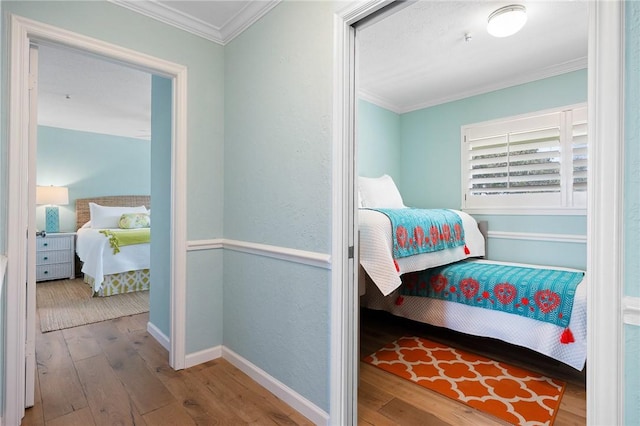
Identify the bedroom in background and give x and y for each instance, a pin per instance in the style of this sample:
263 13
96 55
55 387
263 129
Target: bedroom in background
104 133
94 131
417 141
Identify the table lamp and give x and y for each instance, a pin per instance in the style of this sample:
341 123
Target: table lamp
52 196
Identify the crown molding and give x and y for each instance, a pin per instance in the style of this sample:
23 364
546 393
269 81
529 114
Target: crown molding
173 17
553 71
556 70
221 35
245 18
379 101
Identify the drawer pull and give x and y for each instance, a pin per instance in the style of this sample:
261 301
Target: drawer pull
46 272
45 244
46 258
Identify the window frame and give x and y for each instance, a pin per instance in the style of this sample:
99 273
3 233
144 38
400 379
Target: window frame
566 202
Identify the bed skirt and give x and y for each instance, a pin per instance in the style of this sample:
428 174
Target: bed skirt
124 282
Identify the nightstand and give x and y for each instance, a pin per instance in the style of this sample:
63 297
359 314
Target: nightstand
55 256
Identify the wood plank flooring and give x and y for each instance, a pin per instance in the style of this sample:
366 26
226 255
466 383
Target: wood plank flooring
385 399
115 373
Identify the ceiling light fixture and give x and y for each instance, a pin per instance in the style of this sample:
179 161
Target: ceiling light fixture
507 20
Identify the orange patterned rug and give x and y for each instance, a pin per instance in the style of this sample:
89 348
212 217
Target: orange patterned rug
510 393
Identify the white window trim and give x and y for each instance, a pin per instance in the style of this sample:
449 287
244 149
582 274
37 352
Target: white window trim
532 204
531 210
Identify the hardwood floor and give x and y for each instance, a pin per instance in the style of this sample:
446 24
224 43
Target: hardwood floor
385 399
115 373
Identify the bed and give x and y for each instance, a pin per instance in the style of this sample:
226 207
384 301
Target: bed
386 278
107 269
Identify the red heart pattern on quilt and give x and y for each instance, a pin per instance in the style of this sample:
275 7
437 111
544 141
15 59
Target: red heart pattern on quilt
547 300
446 232
401 236
458 231
469 287
418 235
438 282
505 293
434 235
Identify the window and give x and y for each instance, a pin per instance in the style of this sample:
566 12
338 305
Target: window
534 163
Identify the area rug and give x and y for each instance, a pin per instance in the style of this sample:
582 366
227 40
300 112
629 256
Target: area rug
513 394
68 303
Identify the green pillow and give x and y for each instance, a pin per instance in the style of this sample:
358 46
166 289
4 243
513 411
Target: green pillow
134 221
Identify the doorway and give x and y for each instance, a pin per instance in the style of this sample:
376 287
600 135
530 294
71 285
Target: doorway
413 100
20 191
94 138
604 254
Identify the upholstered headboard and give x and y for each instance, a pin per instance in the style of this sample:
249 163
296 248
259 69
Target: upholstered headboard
82 205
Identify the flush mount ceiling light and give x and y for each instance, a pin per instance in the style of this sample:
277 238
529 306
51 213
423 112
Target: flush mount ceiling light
507 20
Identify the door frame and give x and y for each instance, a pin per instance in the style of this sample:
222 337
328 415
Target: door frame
23 31
30 305
605 210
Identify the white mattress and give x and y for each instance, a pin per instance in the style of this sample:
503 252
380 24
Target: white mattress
376 250
539 336
94 250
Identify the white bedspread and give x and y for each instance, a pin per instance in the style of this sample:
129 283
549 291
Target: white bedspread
376 245
94 250
539 336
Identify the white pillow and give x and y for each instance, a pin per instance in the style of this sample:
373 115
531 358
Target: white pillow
379 193
104 217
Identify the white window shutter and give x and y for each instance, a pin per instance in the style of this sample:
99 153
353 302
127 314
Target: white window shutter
527 161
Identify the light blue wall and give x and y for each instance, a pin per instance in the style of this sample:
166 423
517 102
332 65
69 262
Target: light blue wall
204 300
378 141
90 164
160 293
567 254
205 124
632 206
430 159
430 152
632 375
632 148
278 107
276 315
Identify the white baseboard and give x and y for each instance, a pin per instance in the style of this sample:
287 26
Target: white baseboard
159 336
203 356
279 389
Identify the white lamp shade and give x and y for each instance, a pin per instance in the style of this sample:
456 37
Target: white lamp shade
507 20
56 195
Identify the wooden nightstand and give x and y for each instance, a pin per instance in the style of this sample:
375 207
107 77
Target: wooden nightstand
55 256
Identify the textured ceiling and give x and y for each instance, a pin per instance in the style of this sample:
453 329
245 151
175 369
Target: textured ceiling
87 93
418 56
414 58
